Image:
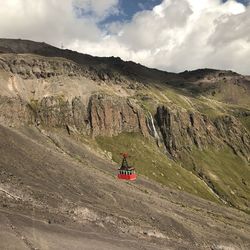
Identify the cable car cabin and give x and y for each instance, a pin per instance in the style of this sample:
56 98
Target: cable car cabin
126 172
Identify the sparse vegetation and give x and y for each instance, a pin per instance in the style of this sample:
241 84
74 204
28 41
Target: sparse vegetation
153 163
246 122
34 104
226 172
55 168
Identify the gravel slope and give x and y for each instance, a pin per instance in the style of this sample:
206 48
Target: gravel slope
56 193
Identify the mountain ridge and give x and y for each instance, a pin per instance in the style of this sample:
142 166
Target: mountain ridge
187 134
20 46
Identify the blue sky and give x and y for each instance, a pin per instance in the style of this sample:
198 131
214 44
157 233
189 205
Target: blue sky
128 8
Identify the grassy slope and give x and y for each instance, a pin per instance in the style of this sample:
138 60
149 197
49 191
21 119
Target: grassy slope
151 162
232 93
226 171
246 122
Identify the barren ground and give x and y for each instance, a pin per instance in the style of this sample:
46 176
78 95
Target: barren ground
56 193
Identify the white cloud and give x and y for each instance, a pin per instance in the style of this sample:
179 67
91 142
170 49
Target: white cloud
45 20
176 35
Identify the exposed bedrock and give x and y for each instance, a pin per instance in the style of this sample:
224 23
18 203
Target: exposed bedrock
104 115
108 116
111 116
181 130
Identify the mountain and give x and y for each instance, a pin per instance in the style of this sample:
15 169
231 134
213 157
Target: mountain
65 117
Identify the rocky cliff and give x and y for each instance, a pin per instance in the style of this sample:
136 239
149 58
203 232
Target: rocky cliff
183 130
38 90
112 116
104 115
186 114
35 91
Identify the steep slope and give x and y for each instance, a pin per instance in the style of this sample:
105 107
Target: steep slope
194 134
57 193
221 85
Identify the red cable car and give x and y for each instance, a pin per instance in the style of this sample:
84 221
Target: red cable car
126 172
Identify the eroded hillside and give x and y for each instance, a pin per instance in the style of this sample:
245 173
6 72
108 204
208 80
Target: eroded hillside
187 131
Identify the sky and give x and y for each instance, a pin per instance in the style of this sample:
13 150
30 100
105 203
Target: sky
172 35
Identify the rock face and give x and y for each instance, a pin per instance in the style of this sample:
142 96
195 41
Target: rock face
47 86
182 130
234 135
111 116
39 67
35 92
14 112
105 115
55 111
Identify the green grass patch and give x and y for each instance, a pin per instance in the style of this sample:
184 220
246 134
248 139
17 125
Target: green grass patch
34 104
155 95
233 94
229 173
206 107
246 122
148 160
